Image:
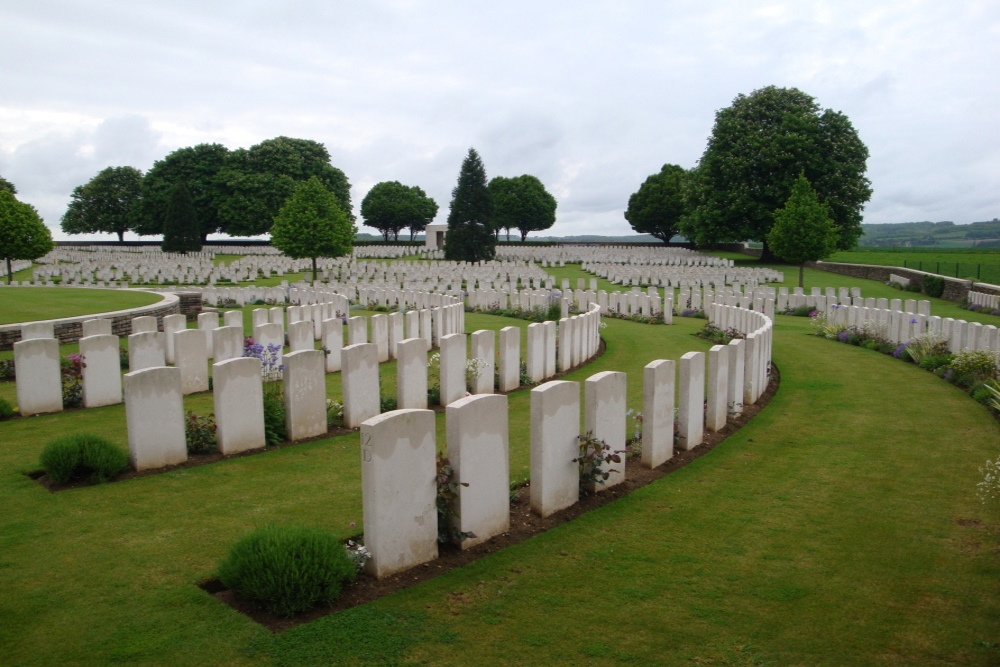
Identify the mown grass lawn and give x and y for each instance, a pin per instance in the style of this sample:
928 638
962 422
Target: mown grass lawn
27 304
840 527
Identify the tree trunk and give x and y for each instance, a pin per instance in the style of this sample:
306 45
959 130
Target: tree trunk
314 269
766 256
8 271
121 237
524 235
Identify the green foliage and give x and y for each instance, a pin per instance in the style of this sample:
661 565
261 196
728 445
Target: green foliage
257 182
971 367
198 168
523 203
287 569
759 146
181 231
470 228
71 369
933 286
107 203
802 231
23 235
658 205
275 431
7 185
6 409
447 501
82 456
391 207
7 369
594 461
387 404
200 433
312 224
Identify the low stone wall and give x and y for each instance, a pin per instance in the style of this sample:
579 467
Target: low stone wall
955 289
69 329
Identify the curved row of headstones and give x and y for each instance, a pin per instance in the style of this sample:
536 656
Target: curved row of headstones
398 448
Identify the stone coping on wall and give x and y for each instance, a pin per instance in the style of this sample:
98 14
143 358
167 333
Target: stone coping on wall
69 329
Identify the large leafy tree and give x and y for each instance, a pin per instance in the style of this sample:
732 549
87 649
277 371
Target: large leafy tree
759 146
391 207
470 232
105 204
23 235
198 168
181 230
521 203
7 185
658 205
802 231
313 224
256 182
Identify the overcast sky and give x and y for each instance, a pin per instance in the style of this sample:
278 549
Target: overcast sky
589 96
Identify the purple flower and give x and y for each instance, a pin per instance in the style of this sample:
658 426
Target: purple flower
898 352
913 321
844 336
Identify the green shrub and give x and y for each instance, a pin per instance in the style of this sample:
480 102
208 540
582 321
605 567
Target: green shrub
933 286
199 433
912 287
6 409
970 367
275 431
387 404
81 456
935 361
7 369
287 569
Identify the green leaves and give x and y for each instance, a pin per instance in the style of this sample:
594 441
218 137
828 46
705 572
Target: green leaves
803 230
23 235
312 224
658 206
759 146
522 203
391 207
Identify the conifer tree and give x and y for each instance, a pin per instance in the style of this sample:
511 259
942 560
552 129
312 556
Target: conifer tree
470 235
181 231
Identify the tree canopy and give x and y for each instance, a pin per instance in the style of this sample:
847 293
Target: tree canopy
181 230
470 232
198 168
758 147
803 231
657 207
7 185
391 207
23 235
313 224
521 203
106 203
256 182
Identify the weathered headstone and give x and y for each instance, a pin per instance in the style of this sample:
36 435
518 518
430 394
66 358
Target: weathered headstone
398 489
154 414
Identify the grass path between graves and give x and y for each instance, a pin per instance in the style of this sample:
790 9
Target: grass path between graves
840 527
27 304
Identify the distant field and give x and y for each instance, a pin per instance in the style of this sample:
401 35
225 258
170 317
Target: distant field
981 265
27 304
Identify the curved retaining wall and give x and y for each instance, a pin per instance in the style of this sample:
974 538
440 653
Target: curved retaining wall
69 329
